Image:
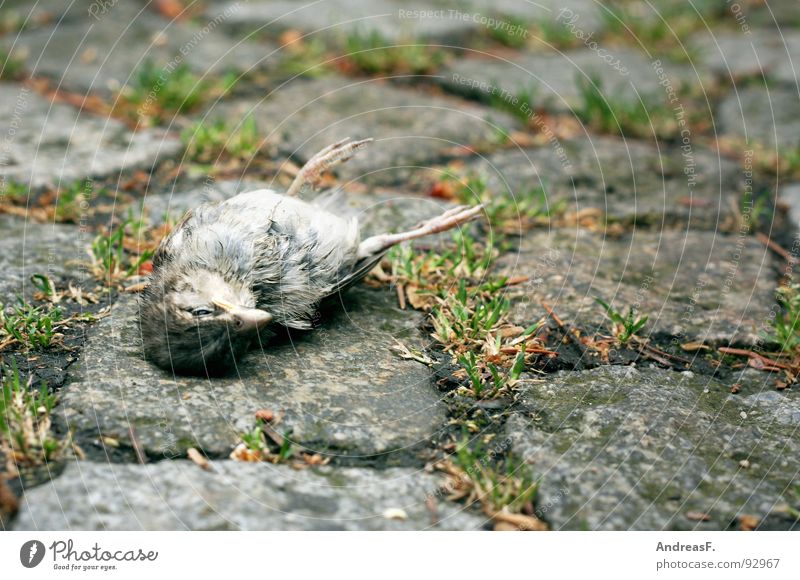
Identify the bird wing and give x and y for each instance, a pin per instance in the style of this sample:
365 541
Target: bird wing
360 269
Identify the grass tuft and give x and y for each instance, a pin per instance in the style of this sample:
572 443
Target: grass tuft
32 327
25 425
371 53
206 141
118 254
604 112
625 327
786 323
158 92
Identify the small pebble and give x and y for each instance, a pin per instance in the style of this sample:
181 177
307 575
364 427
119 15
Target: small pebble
744 464
395 514
743 415
706 391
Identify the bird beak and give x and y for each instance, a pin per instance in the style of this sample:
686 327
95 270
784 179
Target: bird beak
247 319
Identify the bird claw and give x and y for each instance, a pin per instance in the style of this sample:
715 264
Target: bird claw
330 156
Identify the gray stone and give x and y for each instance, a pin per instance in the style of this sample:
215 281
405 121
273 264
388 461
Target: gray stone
785 69
790 195
104 54
28 248
583 14
618 448
696 286
25 15
49 143
553 78
436 21
630 181
394 20
178 495
411 129
766 116
737 54
783 408
342 388
776 14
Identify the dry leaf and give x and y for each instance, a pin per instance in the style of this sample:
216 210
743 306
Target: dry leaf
198 458
418 300
698 516
748 523
694 346
511 331
315 459
244 453
9 504
521 521
505 527
265 415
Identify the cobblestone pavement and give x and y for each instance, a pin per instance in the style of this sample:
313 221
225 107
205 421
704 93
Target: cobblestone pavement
661 141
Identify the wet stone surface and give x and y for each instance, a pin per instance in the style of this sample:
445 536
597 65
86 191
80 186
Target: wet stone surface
178 495
411 129
552 77
55 143
629 181
623 448
341 388
105 54
696 286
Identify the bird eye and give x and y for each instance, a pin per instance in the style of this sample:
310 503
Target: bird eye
202 311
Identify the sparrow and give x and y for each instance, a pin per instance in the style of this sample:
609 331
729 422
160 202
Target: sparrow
229 269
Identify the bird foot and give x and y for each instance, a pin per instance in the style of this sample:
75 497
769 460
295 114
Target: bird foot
332 155
447 221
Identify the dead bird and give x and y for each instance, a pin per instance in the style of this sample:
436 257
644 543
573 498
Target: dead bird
229 269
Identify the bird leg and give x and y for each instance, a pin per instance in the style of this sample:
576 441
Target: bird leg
331 156
447 221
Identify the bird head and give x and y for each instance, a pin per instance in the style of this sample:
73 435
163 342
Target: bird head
198 322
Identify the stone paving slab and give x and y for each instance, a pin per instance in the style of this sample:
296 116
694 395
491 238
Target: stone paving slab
341 387
553 77
178 495
28 248
104 54
619 448
769 116
696 286
736 54
411 129
434 21
50 143
778 14
44 13
630 181
394 20
789 194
